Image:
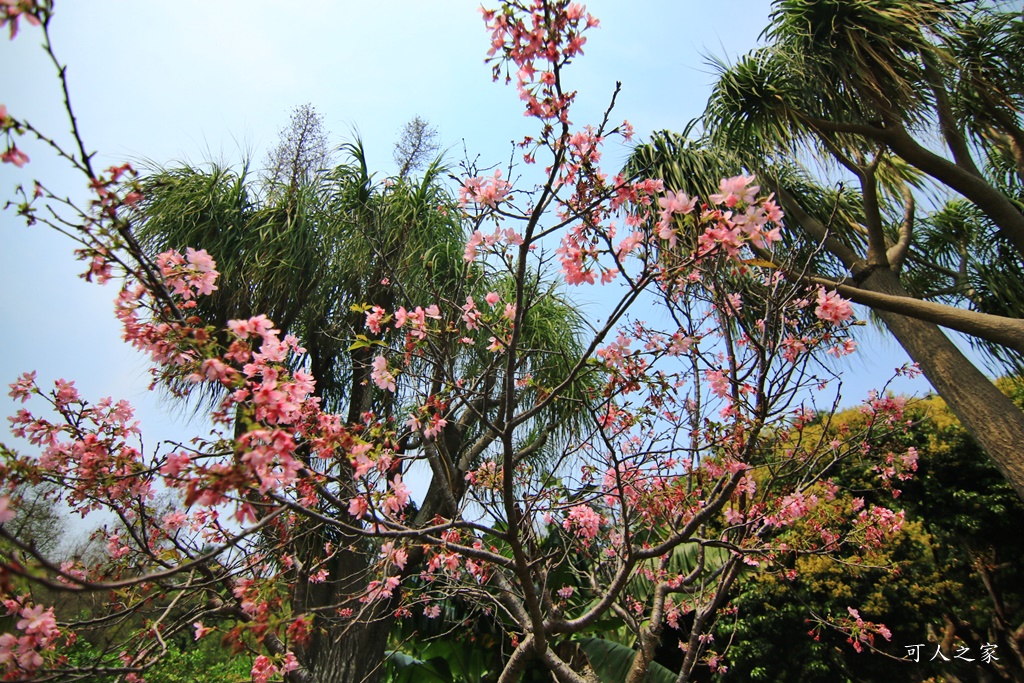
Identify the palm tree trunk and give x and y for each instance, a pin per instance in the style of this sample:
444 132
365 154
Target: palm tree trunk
344 650
989 415
354 655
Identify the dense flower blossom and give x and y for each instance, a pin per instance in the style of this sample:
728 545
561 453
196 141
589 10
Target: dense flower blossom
381 376
40 633
487 191
583 521
399 497
374 317
262 669
832 307
734 190
470 314
378 590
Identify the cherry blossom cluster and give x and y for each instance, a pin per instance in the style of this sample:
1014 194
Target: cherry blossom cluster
147 319
901 466
90 450
537 38
9 126
472 320
832 307
488 192
745 218
279 408
116 188
188 276
22 656
583 521
263 667
11 11
860 633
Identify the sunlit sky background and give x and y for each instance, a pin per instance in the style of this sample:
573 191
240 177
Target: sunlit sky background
160 82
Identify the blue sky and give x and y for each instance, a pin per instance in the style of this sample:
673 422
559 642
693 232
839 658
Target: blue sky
161 81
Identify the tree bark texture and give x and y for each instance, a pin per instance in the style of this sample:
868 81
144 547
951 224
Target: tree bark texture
990 416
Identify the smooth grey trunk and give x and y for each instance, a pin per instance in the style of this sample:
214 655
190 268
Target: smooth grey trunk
985 412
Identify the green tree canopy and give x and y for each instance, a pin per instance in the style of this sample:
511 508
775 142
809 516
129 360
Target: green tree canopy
838 114
952 579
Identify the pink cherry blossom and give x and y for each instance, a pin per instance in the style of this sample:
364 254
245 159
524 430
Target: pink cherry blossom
656 459
847 347
734 190
358 507
396 556
290 662
470 314
434 426
374 318
381 376
399 497
720 384
174 520
471 247
832 307
583 521
262 669
6 512
15 156
24 387
200 630
489 192
673 203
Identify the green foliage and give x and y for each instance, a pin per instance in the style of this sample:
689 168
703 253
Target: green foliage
682 560
782 631
832 83
975 268
305 254
190 662
955 571
204 660
876 51
401 668
462 644
612 662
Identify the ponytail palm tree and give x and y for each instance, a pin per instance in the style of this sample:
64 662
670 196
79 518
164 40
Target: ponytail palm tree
315 253
304 253
926 238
